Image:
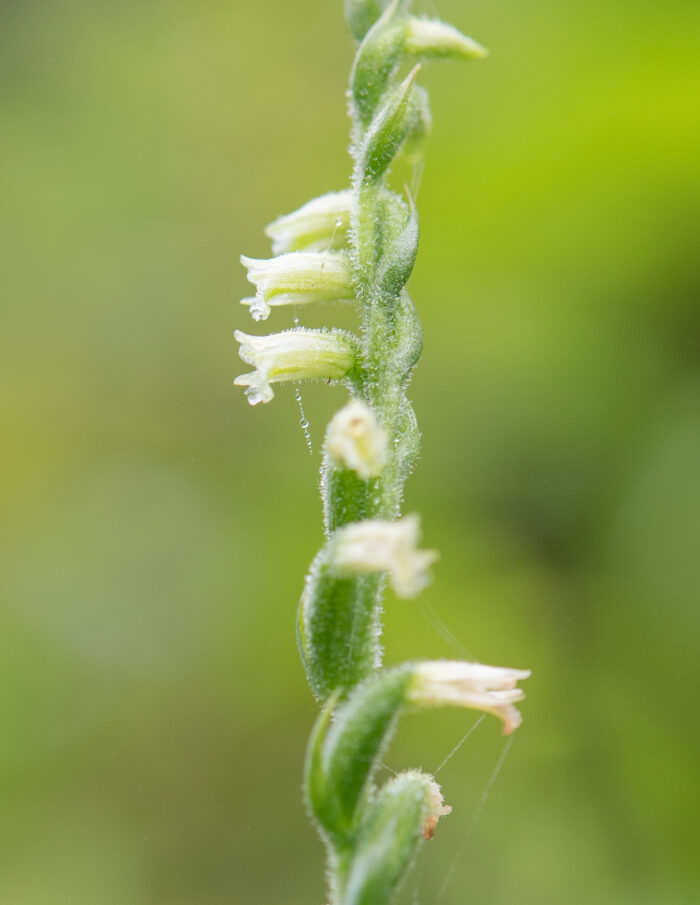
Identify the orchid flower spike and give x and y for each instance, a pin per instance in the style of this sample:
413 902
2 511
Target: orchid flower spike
360 245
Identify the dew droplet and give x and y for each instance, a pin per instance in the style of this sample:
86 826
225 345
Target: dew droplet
259 309
303 421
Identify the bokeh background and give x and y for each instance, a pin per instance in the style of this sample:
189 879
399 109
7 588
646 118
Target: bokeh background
155 529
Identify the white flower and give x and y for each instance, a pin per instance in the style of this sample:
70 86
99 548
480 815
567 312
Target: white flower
376 545
433 38
489 688
297 278
291 356
356 440
318 225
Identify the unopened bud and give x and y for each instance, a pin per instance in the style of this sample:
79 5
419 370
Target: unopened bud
433 38
435 808
399 255
389 129
376 62
404 810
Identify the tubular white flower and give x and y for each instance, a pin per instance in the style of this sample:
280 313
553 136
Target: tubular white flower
356 440
433 38
318 225
376 545
298 278
291 356
456 682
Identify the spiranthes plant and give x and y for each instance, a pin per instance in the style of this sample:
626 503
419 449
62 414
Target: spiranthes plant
359 245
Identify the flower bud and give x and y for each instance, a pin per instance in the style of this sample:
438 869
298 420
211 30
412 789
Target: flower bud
355 440
433 38
399 257
461 684
291 356
296 279
435 809
376 545
347 751
319 225
389 130
404 810
376 62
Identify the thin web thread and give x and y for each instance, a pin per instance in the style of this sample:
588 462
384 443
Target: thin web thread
459 744
417 884
443 631
475 816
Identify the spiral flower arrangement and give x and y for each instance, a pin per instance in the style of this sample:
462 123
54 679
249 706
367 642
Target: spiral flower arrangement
360 245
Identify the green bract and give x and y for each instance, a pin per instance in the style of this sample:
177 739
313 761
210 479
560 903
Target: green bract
360 244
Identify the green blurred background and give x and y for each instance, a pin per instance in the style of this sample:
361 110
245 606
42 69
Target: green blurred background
155 530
